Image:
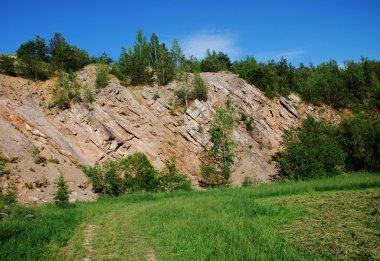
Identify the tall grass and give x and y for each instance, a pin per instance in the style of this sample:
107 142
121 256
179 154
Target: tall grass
218 224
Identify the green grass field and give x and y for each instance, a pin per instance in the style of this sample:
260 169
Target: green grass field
331 218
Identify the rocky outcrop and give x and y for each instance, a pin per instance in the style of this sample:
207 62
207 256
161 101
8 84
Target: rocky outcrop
123 120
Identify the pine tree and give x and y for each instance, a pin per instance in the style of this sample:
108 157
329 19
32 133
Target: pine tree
61 196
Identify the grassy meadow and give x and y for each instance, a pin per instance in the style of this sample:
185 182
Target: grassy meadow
325 219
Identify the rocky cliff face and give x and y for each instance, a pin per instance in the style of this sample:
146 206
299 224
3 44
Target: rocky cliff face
125 120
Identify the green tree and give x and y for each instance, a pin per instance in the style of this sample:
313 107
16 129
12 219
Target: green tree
166 66
177 54
7 65
184 93
66 57
311 151
154 46
140 71
36 50
217 160
215 62
123 68
105 59
200 88
244 68
360 139
61 196
32 60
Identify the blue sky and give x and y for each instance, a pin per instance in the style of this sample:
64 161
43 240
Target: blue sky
300 30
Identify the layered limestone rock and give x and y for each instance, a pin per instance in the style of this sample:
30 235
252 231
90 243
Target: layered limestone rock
123 120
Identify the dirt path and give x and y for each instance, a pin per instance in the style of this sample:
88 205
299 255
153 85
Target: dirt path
114 237
150 256
87 243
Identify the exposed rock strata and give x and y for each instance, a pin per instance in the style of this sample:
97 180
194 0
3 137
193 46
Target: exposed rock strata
126 120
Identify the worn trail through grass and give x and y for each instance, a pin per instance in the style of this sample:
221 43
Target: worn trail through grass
327 219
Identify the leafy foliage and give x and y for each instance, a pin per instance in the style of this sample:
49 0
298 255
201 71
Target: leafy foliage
360 139
357 84
171 178
36 60
200 88
7 65
217 160
32 60
247 182
102 78
319 148
8 197
37 158
215 62
33 50
103 59
184 93
311 151
3 170
88 95
139 64
191 88
134 173
66 90
65 56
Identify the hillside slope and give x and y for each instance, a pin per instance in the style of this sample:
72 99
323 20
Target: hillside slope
125 120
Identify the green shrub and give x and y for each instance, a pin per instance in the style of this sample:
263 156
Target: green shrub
54 161
61 196
116 177
38 159
171 178
211 177
311 151
102 78
360 139
28 185
8 198
3 170
7 65
66 90
89 97
156 96
243 116
247 182
249 124
200 88
134 173
32 69
41 183
217 160
141 172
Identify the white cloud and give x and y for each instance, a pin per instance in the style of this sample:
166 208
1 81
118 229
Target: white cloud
197 44
290 55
